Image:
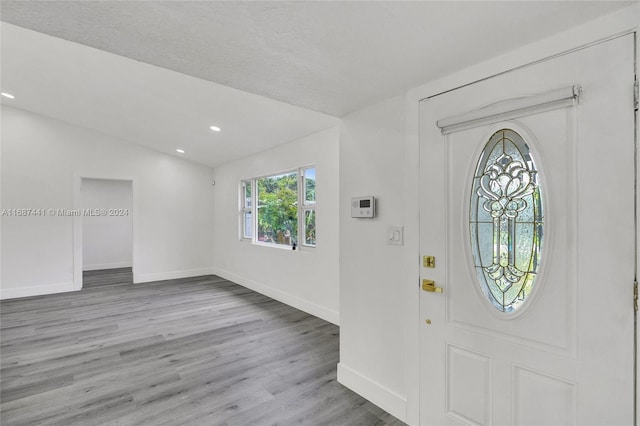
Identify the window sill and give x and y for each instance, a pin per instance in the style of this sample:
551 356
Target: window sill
300 249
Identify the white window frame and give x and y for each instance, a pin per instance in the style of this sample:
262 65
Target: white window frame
247 209
302 207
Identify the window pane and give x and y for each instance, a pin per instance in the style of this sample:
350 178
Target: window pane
506 220
248 228
247 195
310 186
278 209
310 227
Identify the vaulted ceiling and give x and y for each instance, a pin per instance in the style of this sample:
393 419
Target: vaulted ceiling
266 72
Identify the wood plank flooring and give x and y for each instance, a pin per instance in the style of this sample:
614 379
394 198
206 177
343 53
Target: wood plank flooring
193 351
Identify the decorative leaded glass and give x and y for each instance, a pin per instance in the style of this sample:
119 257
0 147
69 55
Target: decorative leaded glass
506 220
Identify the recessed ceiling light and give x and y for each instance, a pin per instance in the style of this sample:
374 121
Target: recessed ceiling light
7 95
181 151
215 128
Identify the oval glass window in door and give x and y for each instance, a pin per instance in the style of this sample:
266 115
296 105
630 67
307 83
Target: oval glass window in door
506 220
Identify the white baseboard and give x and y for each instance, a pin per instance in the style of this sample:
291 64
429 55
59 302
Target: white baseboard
389 401
37 290
99 266
171 275
281 296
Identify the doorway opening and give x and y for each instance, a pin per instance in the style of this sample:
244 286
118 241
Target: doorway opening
104 234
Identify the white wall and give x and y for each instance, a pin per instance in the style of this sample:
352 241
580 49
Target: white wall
372 303
41 160
306 278
107 239
379 154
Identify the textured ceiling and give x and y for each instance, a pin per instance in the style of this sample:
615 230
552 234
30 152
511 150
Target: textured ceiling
328 56
144 104
160 73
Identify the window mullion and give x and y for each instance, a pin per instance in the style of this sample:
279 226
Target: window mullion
254 210
301 224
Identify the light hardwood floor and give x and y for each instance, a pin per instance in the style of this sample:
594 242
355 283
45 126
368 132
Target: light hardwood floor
193 351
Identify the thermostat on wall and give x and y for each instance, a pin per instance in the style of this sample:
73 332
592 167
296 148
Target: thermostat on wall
363 207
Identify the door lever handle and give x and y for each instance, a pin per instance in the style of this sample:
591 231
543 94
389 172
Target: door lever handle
430 286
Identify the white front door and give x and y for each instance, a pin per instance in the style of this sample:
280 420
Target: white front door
527 207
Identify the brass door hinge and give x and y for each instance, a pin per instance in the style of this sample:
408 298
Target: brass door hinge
635 295
636 95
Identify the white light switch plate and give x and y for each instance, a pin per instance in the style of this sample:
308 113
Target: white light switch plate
395 235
